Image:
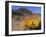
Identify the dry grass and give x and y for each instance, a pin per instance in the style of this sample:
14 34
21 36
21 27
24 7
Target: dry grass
26 23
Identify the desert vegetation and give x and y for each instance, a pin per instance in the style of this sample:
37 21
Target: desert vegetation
24 19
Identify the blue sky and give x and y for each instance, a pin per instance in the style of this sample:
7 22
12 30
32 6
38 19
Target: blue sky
32 8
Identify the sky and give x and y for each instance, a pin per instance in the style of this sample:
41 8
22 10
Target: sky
31 8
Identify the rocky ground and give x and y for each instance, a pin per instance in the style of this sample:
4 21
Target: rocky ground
26 22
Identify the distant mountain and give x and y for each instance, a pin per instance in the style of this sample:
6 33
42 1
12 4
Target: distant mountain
22 11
